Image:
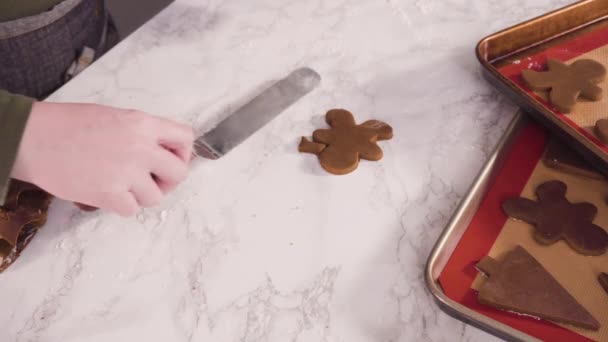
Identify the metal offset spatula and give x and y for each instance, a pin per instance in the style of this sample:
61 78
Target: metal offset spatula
246 120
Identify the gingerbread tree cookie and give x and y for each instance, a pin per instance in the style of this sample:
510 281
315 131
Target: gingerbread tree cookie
342 146
519 283
555 218
568 82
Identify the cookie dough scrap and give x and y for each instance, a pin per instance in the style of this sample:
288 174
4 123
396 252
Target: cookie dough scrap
24 212
555 218
567 83
340 147
520 284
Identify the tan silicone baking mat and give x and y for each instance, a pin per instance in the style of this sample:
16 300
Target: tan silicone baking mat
575 272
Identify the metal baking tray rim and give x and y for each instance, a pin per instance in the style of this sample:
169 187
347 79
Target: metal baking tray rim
451 235
533 107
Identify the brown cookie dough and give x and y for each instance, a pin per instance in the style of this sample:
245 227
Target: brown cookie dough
307 146
603 279
22 215
567 82
601 130
520 284
563 158
342 146
555 218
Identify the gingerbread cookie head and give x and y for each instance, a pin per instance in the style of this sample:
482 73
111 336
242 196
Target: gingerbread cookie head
342 146
340 118
519 283
567 83
555 218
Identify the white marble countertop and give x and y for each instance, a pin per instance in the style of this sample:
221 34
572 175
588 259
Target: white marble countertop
263 245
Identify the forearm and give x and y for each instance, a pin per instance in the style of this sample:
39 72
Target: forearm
14 113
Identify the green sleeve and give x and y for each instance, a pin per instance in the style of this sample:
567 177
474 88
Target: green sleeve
15 9
14 112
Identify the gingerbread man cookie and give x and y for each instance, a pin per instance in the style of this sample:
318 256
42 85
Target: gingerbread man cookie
567 82
342 146
555 218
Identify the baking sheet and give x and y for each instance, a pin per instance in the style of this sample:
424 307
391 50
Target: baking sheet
457 277
576 273
593 45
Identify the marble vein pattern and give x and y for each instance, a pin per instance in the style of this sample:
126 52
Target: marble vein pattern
263 245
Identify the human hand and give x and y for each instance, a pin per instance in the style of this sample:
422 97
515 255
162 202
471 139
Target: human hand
104 157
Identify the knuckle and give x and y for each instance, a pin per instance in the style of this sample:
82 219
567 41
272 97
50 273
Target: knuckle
189 134
152 197
130 209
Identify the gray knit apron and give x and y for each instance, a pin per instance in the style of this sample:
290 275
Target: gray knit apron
36 52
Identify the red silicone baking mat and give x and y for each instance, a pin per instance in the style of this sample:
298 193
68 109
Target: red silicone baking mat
565 52
459 273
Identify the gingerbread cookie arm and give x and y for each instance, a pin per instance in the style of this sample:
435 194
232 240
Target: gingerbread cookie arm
585 211
589 70
537 81
587 239
382 129
522 209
